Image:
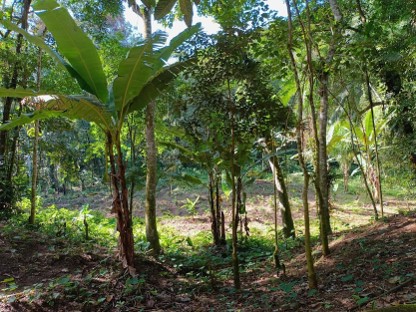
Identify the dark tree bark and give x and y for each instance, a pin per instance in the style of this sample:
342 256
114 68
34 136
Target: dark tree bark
323 162
215 207
120 201
234 208
283 196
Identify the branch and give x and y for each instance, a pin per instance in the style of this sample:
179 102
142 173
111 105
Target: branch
369 107
360 10
389 291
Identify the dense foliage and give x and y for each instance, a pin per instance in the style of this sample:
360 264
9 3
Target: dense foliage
89 107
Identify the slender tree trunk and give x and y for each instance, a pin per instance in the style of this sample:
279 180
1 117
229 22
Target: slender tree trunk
132 136
234 208
120 201
34 174
367 187
323 162
219 212
312 281
276 237
346 175
35 148
320 148
378 185
215 209
280 186
151 180
151 160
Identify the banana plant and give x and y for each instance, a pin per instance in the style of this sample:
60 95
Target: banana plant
141 77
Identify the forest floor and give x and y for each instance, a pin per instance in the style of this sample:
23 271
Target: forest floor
372 264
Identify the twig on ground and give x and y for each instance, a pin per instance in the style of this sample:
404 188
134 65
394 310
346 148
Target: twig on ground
389 291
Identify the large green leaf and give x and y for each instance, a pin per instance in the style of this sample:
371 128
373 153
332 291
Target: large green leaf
166 52
157 85
75 46
186 9
149 3
133 73
162 75
368 123
20 92
25 119
76 107
143 68
163 7
80 107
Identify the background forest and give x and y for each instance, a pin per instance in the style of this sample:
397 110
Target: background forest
267 167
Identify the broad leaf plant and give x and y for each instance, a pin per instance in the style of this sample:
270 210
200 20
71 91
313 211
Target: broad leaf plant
141 76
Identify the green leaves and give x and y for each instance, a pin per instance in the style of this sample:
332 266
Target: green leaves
166 52
142 73
156 85
19 93
50 106
163 7
149 3
133 74
35 40
186 9
75 45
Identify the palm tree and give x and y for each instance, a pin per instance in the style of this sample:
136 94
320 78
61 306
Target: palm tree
141 77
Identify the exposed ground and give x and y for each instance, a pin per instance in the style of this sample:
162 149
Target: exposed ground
373 264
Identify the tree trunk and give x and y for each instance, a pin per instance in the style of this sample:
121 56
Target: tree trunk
234 208
355 152
216 220
282 195
312 281
151 180
132 137
120 201
276 237
323 162
321 171
377 185
34 174
219 212
152 235
346 175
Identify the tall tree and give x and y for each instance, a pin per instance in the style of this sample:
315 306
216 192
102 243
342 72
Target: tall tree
145 11
312 281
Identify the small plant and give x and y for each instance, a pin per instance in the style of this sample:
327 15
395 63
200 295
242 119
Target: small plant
133 284
288 288
10 284
190 206
84 215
